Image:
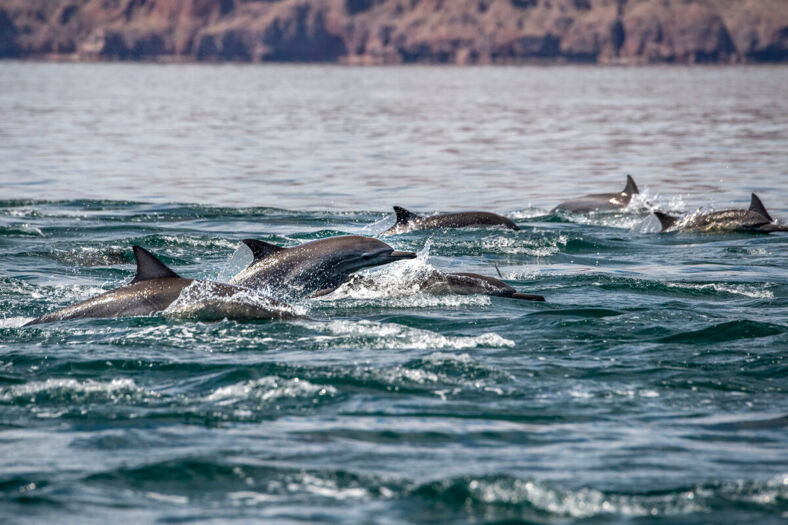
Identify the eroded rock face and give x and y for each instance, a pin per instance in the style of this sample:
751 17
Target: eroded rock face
398 31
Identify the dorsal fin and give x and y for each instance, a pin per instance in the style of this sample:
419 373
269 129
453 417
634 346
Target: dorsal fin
261 249
404 216
631 188
757 206
149 267
665 220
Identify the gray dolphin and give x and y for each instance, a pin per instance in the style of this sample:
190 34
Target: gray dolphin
472 283
600 201
408 221
155 287
439 283
755 219
325 263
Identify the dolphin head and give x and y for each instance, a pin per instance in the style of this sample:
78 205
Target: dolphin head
366 252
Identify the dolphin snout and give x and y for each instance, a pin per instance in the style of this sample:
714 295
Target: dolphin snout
396 254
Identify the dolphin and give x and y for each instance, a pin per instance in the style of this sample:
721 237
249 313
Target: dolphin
408 221
472 283
155 287
326 263
439 283
754 219
600 201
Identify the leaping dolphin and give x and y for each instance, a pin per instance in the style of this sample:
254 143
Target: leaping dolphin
155 287
439 283
754 219
600 201
326 263
408 221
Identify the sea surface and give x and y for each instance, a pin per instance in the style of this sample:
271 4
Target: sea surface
651 387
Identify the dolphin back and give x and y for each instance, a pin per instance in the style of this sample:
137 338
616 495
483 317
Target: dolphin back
149 267
261 249
631 188
757 206
404 216
140 298
600 201
473 283
321 264
665 220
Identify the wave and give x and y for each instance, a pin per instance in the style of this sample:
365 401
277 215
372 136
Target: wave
91 256
205 300
486 498
728 331
747 290
511 497
269 389
68 390
612 282
397 285
21 230
376 335
440 374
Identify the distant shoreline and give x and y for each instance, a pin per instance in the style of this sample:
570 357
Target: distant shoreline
177 61
393 32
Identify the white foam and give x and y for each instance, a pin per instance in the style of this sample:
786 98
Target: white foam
268 389
400 285
200 292
527 213
582 503
238 261
28 229
167 498
391 335
631 217
745 290
608 219
14 322
326 488
648 202
113 389
440 369
199 243
522 275
543 247
247 497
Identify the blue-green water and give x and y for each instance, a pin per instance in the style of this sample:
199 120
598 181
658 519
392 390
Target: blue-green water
651 387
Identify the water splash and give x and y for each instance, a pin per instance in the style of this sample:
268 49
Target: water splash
208 300
347 334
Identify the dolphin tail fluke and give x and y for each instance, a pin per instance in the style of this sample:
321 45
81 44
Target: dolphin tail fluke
404 216
261 249
149 267
757 206
527 297
631 188
665 220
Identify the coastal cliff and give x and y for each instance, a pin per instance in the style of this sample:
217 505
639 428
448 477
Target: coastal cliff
398 31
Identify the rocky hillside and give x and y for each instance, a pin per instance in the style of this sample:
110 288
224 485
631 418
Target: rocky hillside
398 31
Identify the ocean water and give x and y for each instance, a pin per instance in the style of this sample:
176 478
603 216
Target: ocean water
651 387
